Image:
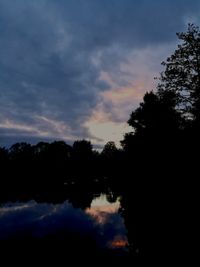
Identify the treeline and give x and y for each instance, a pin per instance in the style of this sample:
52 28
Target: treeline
29 169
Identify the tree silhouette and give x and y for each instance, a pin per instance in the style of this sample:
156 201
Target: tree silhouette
3 155
155 120
156 115
182 74
175 106
82 150
21 151
161 156
110 150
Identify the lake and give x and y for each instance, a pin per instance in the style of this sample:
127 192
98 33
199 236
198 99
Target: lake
99 226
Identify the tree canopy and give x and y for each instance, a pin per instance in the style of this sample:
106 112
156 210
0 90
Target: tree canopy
182 74
174 107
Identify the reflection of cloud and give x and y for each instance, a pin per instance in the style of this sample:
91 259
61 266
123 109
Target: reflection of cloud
100 208
38 221
112 225
112 208
119 241
100 214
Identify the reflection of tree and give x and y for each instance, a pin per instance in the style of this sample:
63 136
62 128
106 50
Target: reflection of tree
112 196
127 210
80 198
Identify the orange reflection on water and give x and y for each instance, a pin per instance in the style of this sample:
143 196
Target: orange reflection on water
104 212
119 242
98 215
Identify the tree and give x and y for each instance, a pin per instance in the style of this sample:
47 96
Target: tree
156 115
182 74
59 151
82 150
21 152
110 151
176 104
161 154
3 154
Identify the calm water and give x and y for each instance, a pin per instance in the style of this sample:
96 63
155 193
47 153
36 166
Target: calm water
102 222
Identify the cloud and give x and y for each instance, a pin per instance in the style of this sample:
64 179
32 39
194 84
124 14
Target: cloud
54 56
126 91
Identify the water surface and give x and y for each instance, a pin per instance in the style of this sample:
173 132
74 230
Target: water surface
101 223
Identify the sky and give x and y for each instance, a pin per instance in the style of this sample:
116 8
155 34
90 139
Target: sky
76 69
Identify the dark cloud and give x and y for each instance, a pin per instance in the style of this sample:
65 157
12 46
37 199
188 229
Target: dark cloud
52 54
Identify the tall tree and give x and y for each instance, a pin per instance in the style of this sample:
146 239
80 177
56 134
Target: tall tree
182 74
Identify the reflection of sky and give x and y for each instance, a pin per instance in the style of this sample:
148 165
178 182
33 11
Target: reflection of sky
102 221
102 203
101 208
103 212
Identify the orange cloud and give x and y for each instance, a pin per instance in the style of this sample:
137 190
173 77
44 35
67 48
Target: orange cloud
124 94
110 123
106 131
108 120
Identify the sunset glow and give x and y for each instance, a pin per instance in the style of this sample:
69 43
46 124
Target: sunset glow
104 130
99 111
76 70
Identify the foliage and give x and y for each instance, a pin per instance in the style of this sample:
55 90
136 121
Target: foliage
182 73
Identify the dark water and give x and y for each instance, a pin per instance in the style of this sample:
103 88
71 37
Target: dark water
99 226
